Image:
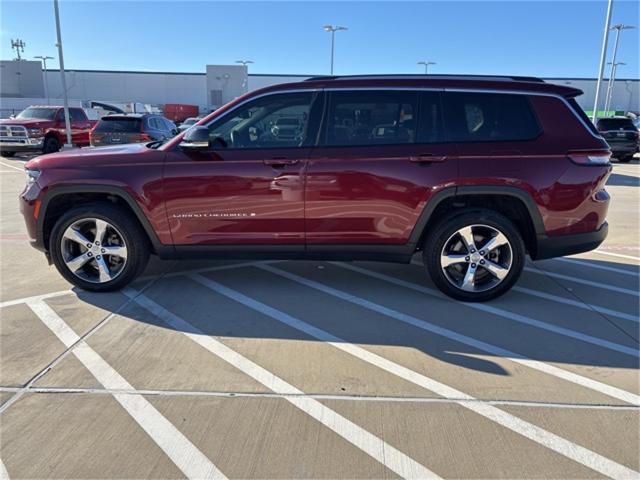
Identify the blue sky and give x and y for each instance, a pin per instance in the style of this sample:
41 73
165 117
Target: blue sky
542 38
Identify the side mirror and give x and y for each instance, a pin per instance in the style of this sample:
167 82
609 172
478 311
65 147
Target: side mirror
196 138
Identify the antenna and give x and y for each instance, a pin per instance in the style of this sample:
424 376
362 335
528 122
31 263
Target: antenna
18 45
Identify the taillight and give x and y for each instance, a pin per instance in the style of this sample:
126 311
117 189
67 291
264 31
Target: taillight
590 158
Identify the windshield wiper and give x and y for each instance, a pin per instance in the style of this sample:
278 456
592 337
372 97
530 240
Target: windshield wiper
156 144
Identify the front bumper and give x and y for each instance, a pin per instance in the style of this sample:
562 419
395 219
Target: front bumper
561 245
21 144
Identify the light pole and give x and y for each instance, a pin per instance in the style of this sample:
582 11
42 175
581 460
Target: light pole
333 30
67 121
426 65
245 81
612 79
244 62
619 27
603 56
46 83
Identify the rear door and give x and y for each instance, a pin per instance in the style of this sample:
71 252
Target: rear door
80 126
381 156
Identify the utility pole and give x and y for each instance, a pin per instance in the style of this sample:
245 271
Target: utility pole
426 65
603 57
18 45
67 120
46 82
333 30
607 98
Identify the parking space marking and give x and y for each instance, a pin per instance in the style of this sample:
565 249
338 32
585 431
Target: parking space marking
599 285
577 304
13 167
191 461
444 332
597 267
554 442
372 445
634 352
628 257
4 475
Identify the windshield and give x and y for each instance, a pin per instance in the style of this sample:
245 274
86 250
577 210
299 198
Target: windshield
44 113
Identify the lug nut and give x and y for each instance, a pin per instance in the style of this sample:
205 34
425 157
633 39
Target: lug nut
102 250
89 254
97 242
481 262
481 252
473 250
88 245
98 257
473 265
466 259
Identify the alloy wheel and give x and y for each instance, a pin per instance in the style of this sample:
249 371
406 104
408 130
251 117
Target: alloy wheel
94 250
476 258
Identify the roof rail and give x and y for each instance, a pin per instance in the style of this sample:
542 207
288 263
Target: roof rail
512 78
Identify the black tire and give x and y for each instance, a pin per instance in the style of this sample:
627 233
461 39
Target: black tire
134 237
442 233
626 159
7 154
51 145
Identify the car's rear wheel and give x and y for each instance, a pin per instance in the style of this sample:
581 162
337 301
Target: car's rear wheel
625 159
474 257
51 145
98 247
7 154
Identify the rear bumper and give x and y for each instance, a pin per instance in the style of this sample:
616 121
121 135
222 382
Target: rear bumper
561 245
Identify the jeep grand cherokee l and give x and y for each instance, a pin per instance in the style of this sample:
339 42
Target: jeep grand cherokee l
473 172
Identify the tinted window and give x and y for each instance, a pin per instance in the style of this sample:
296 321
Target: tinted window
154 124
77 115
615 124
125 125
430 119
273 121
482 117
371 117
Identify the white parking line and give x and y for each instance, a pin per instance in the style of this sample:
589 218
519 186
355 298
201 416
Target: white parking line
577 304
11 166
375 447
619 255
186 456
4 475
597 267
458 337
558 444
598 285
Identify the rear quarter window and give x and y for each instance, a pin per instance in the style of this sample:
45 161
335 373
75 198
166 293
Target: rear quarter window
489 117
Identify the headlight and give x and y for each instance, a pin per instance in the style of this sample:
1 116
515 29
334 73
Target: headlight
32 175
35 132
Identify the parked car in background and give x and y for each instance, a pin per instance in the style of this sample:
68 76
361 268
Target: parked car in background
178 112
188 123
131 128
621 135
472 172
42 129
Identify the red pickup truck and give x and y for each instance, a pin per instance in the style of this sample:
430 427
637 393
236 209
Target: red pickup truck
42 129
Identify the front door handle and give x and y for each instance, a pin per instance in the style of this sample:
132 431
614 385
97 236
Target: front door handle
427 158
279 162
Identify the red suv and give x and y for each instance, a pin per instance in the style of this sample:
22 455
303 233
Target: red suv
474 172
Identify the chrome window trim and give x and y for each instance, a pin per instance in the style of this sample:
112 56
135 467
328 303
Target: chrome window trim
432 89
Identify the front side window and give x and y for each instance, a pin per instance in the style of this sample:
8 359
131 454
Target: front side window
371 118
273 121
486 117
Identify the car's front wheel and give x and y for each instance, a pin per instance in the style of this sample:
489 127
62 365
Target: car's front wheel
98 247
7 154
476 256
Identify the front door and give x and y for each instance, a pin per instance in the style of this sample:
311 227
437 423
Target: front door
248 188
381 157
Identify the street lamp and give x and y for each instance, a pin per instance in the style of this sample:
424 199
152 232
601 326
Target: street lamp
46 83
612 79
603 56
67 121
426 65
333 30
619 27
244 62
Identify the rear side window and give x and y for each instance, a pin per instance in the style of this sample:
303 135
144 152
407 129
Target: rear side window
489 117
123 125
371 118
77 115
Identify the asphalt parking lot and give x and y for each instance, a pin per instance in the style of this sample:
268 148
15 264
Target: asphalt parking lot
321 370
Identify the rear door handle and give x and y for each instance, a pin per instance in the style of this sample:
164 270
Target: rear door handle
278 162
427 158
